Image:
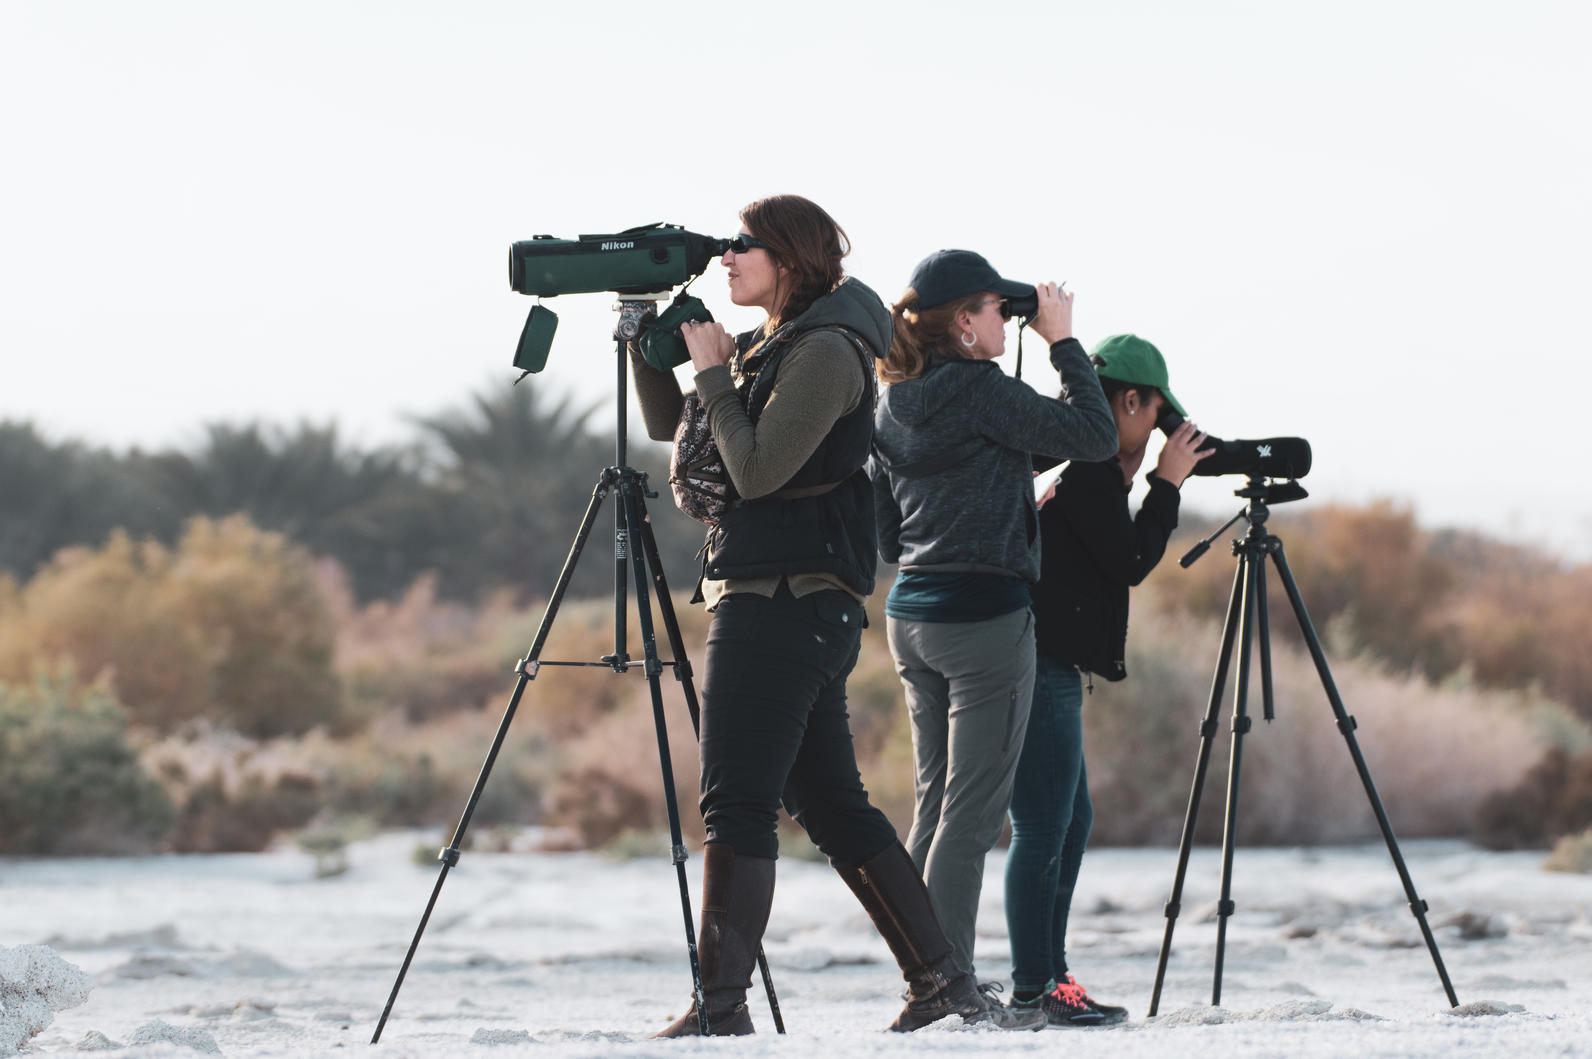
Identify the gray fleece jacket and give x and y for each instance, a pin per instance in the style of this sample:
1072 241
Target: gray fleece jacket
978 513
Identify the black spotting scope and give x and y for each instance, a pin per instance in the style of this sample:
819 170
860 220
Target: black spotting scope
1272 457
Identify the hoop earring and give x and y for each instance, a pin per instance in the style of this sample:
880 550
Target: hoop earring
969 339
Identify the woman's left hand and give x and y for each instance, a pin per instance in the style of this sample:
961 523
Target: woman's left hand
708 343
1053 319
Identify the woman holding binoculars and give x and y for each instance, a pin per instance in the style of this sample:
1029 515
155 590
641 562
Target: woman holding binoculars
956 443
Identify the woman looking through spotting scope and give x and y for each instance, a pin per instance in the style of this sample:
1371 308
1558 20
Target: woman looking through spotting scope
956 442
1092 550
787 567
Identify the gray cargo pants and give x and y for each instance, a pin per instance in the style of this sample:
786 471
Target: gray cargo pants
969 686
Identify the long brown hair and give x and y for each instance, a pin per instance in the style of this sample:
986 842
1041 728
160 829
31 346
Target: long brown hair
807 242
921 336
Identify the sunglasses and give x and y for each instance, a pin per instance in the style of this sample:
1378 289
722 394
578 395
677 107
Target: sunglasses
742 243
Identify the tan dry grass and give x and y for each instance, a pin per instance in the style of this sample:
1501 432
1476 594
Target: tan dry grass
1433 752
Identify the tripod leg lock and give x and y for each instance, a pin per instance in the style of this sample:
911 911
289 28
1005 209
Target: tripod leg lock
1209 727
1173 908
449 856
1419 908
1225 908
679 854
528 668
1242 725
682 670
653 666
1348 724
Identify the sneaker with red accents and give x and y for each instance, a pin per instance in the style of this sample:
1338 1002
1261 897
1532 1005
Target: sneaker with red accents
1110 1014
1067 1005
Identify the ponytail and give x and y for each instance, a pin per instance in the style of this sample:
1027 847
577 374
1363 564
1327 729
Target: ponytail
920 336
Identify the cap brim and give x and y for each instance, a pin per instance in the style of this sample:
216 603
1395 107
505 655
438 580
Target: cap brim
1174 402
1010 288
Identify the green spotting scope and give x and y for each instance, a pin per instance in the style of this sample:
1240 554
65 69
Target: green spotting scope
644 260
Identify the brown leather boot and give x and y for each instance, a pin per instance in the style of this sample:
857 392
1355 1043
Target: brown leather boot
890 888
737 891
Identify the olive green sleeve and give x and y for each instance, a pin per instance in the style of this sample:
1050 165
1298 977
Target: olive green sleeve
818 381
659 395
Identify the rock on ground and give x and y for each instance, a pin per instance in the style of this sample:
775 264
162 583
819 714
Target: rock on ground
35 983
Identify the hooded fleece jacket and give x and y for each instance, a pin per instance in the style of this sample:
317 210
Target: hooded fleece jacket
978 513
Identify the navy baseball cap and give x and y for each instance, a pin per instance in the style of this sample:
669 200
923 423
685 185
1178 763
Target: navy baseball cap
946 275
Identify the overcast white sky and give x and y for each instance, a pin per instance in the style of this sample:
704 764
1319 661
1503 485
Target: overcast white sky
1363 223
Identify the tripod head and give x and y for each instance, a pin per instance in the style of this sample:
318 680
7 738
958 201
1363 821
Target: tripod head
1259 491
632 308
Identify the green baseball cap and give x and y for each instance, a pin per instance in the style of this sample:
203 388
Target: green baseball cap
1129 358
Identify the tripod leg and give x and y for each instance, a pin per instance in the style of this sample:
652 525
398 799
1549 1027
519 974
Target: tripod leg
527 671
654 668
1208 729
1346 725
1264 630
682 673
1248 563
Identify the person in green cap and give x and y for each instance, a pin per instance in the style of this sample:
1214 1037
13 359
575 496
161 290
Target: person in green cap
1092 550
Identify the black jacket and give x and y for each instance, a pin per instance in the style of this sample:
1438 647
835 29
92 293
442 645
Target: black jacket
1091 552
832 532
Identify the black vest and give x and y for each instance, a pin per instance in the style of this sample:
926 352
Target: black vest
788 533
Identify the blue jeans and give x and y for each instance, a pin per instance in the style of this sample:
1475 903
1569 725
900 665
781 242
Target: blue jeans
1051 816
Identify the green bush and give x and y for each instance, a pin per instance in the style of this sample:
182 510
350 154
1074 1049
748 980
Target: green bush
72 783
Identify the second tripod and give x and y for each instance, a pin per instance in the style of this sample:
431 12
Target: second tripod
1246 621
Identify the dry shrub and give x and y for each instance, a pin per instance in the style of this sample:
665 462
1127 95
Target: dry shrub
234 794
417 655
237 793
402 774
1434 753
1553 801
229 626
609 779
72 781
1371 565
1572 853
1433 602
104 610
246 820
1519 621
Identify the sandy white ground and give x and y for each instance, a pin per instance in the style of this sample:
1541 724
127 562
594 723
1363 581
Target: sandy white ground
575 954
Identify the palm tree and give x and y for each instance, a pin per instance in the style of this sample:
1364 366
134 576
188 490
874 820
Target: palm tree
55 495
369 510
517 469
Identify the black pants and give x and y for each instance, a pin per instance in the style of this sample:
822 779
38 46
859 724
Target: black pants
775 731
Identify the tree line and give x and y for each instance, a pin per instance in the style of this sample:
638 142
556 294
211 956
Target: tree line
485 496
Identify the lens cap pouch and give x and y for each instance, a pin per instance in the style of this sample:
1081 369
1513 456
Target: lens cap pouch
660 341
536 339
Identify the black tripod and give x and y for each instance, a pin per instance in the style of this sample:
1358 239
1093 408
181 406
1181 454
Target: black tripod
1246 613
631 528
